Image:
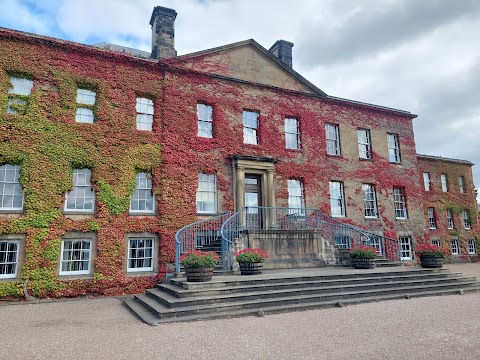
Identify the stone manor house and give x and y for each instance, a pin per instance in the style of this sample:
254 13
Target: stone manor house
106 152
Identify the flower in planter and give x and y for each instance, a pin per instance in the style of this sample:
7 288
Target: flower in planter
197 258
432 251
251 255
363 252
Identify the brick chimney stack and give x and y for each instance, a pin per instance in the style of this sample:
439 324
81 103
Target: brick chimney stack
283 51
163 33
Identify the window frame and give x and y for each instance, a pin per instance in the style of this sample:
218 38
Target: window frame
245 119
143 109
17 96
16 181
366 146
466 220
393 145
292 196
461 184
366 201
83 211
427 184
62 261
436 242
408 247
209 193
432 221
148 178
17 256
450 221
454 243
297 143
399 200
85 109
472 247
202 109
339 201
342 241
152 258
444 181
335 130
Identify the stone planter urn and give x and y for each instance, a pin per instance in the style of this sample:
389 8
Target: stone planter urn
431 262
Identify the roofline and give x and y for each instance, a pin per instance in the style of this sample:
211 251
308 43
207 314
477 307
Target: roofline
167 63
440 158
379 107
71 45
318 92
214 50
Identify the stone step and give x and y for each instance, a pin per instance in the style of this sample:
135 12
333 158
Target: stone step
248 287
305 306
273 279
162 311
383 262
142 312
272 292
173 301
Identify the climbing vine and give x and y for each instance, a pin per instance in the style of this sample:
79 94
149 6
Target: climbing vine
48 144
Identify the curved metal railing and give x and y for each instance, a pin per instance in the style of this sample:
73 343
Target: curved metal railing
197 235
250 219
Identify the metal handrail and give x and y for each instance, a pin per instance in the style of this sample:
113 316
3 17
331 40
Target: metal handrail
197 234
280 218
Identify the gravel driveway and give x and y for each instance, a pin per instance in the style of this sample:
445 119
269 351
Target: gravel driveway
446 327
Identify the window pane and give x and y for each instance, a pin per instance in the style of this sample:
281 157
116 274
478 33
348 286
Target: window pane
393 148
84 115
142 199
296 198
8 259
82 196
86 97
206 193
75 257
11 196
140 254
20 86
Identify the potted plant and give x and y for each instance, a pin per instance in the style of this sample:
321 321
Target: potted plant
199 265
431 256
363 257
251 260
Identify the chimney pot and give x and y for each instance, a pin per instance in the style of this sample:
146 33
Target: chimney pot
163 32
283 51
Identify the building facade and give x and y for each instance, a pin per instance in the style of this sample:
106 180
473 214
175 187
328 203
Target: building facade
449 205
106 152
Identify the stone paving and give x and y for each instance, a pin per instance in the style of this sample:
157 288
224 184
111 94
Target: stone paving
446 327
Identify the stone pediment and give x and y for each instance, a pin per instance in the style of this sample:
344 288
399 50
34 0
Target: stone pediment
246 61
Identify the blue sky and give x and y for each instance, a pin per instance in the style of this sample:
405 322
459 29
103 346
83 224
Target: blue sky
420 56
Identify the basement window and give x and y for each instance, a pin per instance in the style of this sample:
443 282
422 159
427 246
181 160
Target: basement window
76 257
8 259
140 254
